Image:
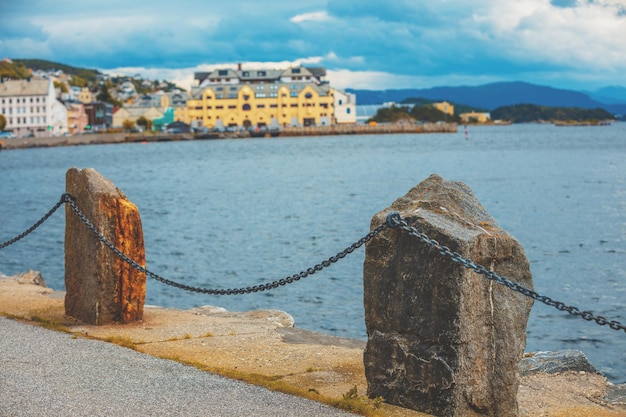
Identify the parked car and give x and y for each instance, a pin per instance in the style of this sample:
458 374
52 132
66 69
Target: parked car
8 135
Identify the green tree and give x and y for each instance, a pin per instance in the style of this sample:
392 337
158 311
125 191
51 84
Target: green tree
391 114
61 86
144 123
3 122
78 81
105 96
128 125
13 70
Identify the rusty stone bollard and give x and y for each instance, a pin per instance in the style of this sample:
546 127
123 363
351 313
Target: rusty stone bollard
441 338
100 287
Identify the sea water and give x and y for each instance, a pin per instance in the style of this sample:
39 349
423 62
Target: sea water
237 213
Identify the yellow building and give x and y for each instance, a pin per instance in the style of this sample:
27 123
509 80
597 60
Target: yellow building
132 114
297 96
444 107
475 117
177 101
86 96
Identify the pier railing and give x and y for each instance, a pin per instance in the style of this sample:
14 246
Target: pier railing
439 340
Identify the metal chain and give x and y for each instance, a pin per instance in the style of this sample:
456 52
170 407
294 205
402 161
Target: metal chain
256 288
394 220
64 199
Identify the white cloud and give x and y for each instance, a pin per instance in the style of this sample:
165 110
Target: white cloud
449 41
311 17
589 35
378 80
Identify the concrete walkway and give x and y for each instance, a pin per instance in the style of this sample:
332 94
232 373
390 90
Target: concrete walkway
47 373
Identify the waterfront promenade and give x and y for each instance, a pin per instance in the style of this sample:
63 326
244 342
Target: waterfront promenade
75 367
112 138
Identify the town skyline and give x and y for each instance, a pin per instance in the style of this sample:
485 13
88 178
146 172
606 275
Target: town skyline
572 44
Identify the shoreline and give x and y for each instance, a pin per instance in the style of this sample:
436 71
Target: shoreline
266 348
116 138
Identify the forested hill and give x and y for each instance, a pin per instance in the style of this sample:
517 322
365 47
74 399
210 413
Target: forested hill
89 75
524 113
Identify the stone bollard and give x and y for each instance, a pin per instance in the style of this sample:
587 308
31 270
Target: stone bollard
101 287
442 339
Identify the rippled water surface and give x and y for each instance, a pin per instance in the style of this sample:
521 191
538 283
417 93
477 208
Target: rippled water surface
236 213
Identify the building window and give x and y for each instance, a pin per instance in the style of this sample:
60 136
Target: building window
219 107
308 95
222 73
295 70
348 110
260 106
261 73
294 94
274 95
246 107
260 95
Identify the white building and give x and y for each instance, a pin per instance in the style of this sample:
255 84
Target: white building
30 107
345 107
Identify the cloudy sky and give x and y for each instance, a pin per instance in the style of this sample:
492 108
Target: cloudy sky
370 44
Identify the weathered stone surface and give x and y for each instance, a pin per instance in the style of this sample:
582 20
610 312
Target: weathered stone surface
31 277
441 338
101 287
557 361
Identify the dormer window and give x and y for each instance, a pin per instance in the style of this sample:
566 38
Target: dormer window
295 71
222 73
261 73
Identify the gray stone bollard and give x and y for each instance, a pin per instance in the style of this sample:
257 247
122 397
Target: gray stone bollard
100 287
441 338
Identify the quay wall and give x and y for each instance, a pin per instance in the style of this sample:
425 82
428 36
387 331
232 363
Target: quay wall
111 138
380 129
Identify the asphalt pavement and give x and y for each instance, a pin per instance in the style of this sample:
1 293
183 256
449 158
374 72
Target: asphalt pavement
49 373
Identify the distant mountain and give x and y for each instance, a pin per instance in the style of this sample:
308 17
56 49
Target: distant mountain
609 95
492 96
